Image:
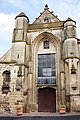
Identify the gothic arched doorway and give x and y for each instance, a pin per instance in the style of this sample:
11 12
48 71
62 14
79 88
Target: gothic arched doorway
47 100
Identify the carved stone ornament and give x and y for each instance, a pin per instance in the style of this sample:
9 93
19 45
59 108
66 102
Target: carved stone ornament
73 70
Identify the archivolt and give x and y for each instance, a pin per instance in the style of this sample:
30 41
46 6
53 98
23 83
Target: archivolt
47 35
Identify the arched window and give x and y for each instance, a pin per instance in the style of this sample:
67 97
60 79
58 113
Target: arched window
6 76
6 81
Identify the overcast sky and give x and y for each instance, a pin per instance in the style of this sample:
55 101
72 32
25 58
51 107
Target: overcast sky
32 8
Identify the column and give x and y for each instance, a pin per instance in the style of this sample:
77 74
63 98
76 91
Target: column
62 74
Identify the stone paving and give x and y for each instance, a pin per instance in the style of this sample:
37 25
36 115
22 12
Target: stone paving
40 116
60 117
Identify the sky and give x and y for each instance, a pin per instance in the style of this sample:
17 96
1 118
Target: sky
32 8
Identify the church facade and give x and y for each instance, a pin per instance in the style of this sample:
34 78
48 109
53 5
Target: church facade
41 71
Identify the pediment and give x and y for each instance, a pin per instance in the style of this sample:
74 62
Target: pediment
46 17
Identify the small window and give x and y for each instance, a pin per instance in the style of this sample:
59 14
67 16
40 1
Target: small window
46 44
14 70
46 20
18 56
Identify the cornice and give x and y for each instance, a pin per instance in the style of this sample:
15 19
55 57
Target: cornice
45 25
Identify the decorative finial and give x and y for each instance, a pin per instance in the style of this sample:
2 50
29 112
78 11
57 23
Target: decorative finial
46 7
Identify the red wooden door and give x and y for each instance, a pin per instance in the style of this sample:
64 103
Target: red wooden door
46 100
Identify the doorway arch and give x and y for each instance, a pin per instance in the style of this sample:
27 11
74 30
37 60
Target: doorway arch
37 49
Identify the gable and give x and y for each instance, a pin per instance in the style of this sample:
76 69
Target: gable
46 17
6 57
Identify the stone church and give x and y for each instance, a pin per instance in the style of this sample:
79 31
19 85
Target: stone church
41 71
